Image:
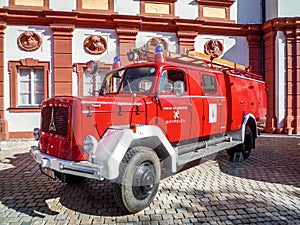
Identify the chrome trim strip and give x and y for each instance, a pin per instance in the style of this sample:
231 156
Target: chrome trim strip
82 168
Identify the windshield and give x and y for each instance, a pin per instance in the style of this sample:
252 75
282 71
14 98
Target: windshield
132 80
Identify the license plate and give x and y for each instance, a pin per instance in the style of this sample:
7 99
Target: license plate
48 172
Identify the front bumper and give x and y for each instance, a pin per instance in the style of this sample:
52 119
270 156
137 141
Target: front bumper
81 168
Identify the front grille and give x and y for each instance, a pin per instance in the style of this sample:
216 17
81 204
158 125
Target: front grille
55 120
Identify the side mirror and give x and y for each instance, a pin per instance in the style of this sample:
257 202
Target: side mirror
179 88
168 87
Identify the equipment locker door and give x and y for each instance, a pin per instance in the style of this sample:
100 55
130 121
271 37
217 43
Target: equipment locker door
214 106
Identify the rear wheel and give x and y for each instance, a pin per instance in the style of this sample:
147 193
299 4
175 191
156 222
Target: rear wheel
248 143
138 180
244 148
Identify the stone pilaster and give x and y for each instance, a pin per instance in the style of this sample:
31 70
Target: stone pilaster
269 38
3 122
186 40
62 58
292 120
127 38
255 59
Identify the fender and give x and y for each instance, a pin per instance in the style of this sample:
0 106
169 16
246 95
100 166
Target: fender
250 120
112 147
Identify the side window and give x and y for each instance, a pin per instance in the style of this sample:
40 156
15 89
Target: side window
209 84
171 80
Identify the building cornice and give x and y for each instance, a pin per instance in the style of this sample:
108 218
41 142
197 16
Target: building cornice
141 23
281 24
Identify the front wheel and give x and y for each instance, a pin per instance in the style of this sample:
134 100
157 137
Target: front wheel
138 181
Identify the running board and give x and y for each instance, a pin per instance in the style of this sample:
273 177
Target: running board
203 152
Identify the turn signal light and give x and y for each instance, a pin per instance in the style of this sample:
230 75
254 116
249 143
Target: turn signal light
133 128
36 134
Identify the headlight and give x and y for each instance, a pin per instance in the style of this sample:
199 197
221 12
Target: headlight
90 144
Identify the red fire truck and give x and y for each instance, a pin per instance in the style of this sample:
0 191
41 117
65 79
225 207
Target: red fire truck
159 113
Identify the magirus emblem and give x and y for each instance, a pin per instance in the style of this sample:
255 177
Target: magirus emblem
52 126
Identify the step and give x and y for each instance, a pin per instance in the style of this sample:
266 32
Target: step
203 152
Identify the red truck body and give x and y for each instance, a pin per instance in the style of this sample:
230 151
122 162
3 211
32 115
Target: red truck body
173 107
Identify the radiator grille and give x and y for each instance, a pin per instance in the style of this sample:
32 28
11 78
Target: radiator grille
55 120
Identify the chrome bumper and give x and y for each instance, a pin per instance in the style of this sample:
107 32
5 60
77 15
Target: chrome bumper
81 168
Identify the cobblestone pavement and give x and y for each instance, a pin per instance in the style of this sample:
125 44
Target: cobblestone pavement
264 189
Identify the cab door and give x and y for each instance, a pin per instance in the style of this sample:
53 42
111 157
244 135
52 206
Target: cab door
173 108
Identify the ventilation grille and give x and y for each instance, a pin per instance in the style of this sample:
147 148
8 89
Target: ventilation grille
55 120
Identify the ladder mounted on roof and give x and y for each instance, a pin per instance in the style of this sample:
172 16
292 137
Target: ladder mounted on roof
193 58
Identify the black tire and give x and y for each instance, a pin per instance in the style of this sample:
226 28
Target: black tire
138 181
68 178
244 148
248 143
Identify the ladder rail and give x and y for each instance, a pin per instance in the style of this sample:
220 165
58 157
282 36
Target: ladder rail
195 58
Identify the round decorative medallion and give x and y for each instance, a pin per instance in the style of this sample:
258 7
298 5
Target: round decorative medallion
213 48
29 41
95 44
155 41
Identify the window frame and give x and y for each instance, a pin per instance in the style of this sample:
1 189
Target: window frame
13 67
12 4
166 70
110 10
216 4
171 4
80 69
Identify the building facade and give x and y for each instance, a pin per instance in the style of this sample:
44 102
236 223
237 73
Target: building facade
44 47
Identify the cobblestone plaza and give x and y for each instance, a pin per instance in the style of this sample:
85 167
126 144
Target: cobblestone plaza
264 189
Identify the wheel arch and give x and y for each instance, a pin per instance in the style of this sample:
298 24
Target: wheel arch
250 121
118 140
154 143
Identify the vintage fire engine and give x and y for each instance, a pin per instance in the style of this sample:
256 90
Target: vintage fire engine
149 116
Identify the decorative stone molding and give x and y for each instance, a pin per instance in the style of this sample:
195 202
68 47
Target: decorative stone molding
29 41
186 40
3 26
95 44
127 34
62 28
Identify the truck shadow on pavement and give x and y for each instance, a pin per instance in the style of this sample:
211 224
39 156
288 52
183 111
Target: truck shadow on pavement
274 160
26 190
